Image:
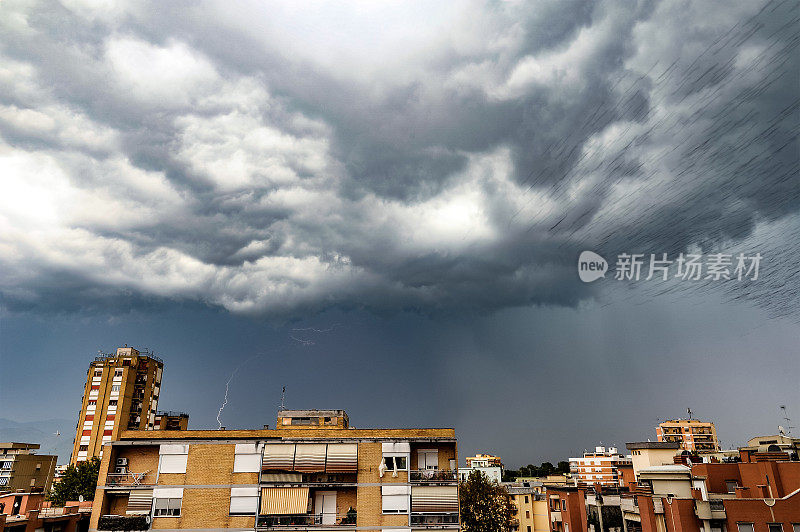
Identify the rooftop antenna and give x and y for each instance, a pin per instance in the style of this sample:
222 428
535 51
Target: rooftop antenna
283 397
689 411
788 421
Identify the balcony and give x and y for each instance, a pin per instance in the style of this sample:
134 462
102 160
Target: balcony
433 475
130 479
123 522
303 521
434 519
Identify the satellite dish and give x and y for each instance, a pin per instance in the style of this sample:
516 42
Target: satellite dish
80 498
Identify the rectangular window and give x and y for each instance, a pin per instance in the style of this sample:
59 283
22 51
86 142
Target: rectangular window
427 459
394 499
115 388
95 388
526 499
396 463
83 448
167 508
775 527
745 527
731 486
795 527
118 373
173 458
247 458
244 501
86 433
112 402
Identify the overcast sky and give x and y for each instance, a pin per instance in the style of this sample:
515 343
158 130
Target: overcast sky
380 205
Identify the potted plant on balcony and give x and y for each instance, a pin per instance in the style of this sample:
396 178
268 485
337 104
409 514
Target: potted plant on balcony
350 518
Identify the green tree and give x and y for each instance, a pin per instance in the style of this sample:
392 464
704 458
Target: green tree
77 481
563 467
485 505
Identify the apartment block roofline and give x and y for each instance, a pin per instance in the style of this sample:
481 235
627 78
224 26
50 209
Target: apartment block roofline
652 445
289 434
19 445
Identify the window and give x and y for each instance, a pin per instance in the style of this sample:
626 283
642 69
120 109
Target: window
244 501
112 402
83 448
529 528
247 458
731 485
167 508
526 499
745 527
98 372
173 458
395 499
115 388
396 463
775 527
427 459
795 527
527 514
39 466
118 373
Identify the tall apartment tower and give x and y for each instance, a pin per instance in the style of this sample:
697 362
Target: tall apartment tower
121 394
693 435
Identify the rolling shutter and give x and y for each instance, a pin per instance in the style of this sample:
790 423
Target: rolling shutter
434 499
244 500
342 458
279 456
284 501
139 502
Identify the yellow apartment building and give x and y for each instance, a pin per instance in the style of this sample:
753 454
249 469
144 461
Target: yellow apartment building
312 472
121 393
531 508
692 434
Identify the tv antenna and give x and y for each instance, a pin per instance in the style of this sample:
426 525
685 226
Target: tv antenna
689 411
283 397
788 429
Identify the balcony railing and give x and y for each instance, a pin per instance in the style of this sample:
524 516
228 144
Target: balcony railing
306 520
129 479
433 475
434 519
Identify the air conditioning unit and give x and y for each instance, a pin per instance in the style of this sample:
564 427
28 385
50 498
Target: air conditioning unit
121 470
122 462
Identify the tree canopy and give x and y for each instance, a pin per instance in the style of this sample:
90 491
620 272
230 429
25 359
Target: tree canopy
485 505
531 470
76 481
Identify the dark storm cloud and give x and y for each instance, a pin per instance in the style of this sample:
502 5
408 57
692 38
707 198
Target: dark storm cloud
278 160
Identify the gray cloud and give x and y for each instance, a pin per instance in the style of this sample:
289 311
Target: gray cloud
278 160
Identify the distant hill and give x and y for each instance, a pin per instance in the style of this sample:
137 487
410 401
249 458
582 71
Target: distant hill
43 433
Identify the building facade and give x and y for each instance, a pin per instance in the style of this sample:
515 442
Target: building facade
121 393
22 469
311 472
601 467
491 466
692 434
530 505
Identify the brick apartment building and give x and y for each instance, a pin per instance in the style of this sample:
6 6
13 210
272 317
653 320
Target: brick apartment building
759 493
311 472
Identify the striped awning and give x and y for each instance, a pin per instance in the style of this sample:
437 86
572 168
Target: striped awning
434 499
310 457
139 502
282 477
342 458
284 501
279 456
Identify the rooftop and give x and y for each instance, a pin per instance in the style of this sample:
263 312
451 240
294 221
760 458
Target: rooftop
652 445
17 445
